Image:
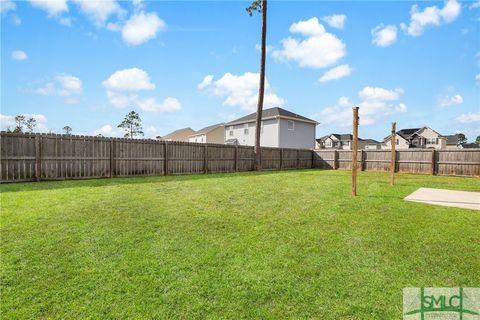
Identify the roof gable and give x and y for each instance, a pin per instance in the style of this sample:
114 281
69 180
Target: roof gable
207 129
271 113
171 134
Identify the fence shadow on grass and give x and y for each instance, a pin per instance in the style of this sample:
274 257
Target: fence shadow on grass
105 182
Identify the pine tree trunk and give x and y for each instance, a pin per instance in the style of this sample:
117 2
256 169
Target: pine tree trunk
261 89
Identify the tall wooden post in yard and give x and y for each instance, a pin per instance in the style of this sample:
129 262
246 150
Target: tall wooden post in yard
393 142
354 151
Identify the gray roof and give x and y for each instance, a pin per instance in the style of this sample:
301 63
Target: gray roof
270 113
339 136
452 139
407 133
167 136
370 141
470 145
346 137
207 129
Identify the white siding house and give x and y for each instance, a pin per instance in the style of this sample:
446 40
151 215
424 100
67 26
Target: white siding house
280 128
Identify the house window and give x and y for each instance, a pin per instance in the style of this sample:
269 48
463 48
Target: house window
245 131
328 143
231 133
290 125
397 142
202 139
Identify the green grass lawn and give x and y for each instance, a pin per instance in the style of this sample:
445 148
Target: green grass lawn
291 244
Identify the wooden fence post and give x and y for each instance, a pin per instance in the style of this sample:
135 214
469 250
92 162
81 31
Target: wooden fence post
165 158
205 159
433 161
298 159
38 157
112 158
393 142
236 158
362 160
281 158
354 151
313 159
335 159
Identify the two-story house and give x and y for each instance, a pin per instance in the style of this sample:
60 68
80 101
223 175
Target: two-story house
280 128
425 138
340 141
210 134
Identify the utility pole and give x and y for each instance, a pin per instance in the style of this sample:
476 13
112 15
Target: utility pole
354 151
393 142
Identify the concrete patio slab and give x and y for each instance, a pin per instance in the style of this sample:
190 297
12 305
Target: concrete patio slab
444 197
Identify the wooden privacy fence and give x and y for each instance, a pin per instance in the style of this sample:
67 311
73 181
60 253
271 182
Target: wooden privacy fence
443 162
34 157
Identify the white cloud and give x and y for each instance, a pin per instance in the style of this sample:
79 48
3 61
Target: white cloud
319 49
344 102
99 11
431 16
475 5
65 21
142 27
375 104
336 73
336 21
52 7
62 85
477 78
152 105
240 91
470 117
115 27
268 48
133 79
16 20
380 94
383 36
108 131
8 122
447 101
205 82
123 88
7 5
19 55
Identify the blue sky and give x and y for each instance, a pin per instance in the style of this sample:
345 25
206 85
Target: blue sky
86 64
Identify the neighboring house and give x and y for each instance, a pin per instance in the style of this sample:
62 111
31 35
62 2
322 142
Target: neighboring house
452 142
178 135
280 128
423 138
210 134
370 144
471 145
339 141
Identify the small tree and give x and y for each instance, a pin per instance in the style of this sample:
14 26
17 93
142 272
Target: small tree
461 138
132 125
22 122
477 141
31 123
68 130
19 124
